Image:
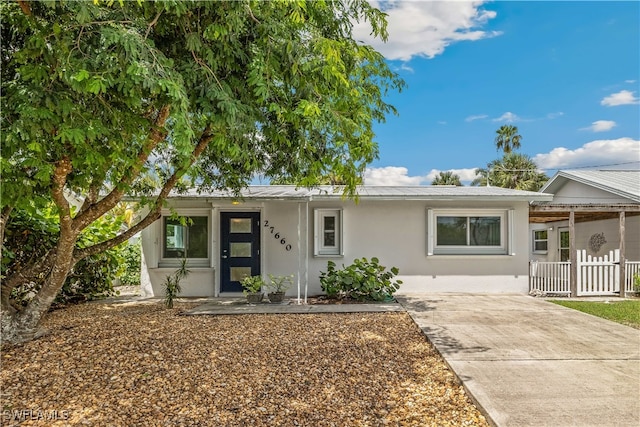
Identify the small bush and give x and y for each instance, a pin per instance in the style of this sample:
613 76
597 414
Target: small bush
636 283
362 280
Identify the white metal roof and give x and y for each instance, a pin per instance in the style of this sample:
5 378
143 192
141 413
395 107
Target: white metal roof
623 183
423 192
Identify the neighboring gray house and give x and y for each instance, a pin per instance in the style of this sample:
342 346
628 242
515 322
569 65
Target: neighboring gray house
594 214
442 238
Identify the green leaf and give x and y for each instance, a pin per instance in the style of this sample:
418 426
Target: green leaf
80 75
35 146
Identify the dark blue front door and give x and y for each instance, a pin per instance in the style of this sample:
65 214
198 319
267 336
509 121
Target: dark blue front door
240 248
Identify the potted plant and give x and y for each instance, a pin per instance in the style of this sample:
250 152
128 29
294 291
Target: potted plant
252 288
278 285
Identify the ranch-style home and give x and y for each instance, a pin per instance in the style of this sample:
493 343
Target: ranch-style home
586 241
442 238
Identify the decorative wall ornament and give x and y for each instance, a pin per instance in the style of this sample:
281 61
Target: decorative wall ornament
596 242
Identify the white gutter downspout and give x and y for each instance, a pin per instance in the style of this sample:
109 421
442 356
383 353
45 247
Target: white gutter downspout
299 252
306 253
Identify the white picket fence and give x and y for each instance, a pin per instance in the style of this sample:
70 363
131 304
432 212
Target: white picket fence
596 276
551 278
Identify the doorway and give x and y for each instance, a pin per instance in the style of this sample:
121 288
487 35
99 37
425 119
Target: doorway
563 244
239 249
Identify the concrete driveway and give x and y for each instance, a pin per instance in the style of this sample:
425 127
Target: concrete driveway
528 362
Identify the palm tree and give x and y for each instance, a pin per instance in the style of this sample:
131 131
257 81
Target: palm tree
507 138
481 176
514 170
447 178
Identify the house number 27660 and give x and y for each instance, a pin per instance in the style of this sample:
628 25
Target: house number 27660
276 235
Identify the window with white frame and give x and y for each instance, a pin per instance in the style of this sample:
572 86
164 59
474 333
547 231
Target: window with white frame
328 232
540 241
186 237
469 232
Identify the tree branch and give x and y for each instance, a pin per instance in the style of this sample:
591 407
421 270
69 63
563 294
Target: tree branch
252 15
62 170
26 274
152 23
154 214
156 135
26 8
92 196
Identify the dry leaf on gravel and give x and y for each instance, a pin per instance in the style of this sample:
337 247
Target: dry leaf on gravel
140 364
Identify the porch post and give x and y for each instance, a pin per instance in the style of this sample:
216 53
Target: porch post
623 274
573 255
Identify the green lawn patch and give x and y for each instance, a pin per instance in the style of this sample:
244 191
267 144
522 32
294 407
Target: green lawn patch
626 312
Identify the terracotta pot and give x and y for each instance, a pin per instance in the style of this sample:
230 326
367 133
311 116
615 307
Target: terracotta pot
254 298
276 296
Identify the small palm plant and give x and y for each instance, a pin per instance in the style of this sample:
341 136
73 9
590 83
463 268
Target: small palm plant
172 284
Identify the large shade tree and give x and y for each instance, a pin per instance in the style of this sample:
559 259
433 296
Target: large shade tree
99 99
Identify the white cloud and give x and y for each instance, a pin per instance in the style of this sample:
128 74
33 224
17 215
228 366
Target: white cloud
623 97
555 115
391 175
442 122
426 28
630 81
600 126
595 153
476 117
398 175
508 117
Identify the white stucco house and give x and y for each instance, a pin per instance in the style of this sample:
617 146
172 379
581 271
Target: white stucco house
442 238
594 217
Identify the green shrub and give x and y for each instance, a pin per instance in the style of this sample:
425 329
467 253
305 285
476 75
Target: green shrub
636 283
30 234
130 274
362 280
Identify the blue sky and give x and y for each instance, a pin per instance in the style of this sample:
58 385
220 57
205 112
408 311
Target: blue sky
565 73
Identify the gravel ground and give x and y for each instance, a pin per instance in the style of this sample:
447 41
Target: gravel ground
140 364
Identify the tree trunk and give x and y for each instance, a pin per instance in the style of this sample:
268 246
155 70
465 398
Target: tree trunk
24 325
19 326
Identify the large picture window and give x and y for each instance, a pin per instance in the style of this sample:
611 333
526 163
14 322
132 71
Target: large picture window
468 232
328 232
187 238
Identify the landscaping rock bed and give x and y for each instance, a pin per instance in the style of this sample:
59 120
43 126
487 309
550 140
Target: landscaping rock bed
140 364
